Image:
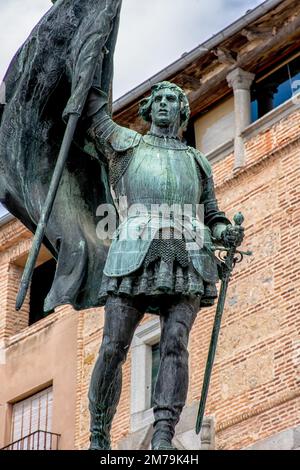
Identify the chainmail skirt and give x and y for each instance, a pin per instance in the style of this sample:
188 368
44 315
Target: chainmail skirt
160 278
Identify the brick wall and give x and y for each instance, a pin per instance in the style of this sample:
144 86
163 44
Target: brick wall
14 243
255 385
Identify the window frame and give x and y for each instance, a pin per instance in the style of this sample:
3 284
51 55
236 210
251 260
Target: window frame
264 75
146 335
15 437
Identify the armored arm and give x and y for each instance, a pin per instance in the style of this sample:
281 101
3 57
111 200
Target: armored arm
220 226
213 217
109 137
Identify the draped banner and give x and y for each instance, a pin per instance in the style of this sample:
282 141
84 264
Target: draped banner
45 82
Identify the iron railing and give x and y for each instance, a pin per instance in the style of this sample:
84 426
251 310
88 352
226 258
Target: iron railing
38 440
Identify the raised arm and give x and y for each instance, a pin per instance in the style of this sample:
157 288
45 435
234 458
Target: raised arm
109 137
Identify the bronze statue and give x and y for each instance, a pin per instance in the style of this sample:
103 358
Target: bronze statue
161 259
157 273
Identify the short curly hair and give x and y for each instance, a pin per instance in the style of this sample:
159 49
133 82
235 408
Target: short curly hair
146 103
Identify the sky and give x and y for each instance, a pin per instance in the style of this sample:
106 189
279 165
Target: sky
152 35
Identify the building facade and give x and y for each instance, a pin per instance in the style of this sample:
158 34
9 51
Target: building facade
243 86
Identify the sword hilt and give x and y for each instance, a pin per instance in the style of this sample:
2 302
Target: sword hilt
238 221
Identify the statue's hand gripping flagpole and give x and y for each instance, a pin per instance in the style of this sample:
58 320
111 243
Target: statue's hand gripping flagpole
228 264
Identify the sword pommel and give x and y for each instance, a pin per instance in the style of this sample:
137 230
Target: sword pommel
238 218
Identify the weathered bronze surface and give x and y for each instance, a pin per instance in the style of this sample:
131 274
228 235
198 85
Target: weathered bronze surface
167 264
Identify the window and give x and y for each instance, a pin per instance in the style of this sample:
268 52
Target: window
274 89
33 308
40 286
154 367
144 368
32 422
145 359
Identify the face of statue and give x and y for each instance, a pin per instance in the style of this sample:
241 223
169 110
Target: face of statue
165 111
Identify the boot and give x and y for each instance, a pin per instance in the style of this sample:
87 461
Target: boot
162 436
100 433
99 441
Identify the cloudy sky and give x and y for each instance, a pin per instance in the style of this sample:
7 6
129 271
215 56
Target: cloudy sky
153 33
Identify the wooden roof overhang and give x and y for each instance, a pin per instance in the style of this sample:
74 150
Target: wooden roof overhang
255 42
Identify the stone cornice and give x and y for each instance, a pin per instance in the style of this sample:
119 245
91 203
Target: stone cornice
271 118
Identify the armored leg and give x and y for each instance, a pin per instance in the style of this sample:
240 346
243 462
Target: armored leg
121 320
172 380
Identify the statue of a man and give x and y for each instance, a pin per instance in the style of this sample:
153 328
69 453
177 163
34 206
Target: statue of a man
172 271
161 259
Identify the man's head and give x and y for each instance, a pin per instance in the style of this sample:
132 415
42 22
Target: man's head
166 106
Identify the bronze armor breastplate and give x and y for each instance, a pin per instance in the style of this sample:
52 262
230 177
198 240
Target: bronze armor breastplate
158 174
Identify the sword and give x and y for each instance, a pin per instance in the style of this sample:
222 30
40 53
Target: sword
228 265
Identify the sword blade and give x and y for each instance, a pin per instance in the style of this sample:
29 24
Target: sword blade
212 352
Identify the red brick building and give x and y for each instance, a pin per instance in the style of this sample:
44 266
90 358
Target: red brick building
242 86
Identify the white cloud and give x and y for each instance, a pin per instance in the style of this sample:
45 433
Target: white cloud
152 33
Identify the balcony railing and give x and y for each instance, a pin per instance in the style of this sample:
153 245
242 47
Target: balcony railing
38 440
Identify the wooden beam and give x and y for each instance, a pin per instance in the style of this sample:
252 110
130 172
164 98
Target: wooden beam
224 56
258 33
283 35
188 81
248 60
